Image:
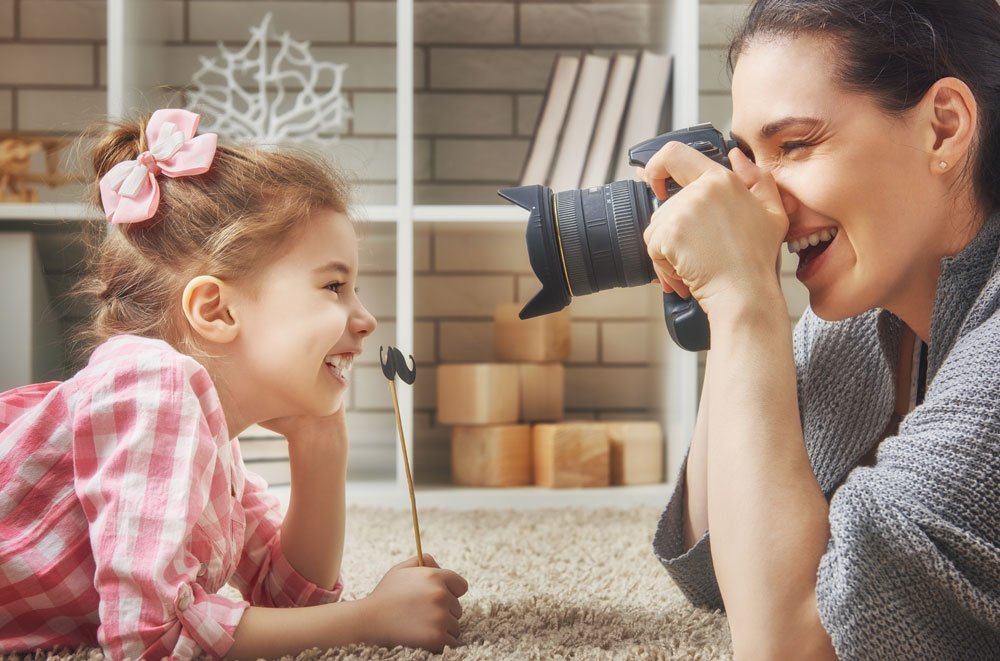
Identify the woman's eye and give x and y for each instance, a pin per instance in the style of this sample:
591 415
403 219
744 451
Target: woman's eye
791 147
335 287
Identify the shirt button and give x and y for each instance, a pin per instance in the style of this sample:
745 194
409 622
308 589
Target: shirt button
185 598
203 569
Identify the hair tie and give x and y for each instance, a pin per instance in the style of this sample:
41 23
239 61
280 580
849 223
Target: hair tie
129 192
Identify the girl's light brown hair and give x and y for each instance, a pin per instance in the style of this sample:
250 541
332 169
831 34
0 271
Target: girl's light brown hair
228 222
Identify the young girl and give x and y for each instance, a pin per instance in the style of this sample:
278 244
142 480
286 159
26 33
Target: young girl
226 297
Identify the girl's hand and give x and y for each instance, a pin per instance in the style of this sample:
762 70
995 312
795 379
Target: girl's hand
299 429
717 239
417 606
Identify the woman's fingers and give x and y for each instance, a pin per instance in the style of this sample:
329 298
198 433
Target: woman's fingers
677 161
758 181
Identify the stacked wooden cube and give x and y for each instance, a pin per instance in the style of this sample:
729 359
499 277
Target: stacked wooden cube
507 417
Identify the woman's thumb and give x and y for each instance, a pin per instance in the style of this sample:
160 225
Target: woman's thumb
759 182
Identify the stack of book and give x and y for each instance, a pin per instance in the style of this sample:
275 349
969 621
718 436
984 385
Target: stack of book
594 109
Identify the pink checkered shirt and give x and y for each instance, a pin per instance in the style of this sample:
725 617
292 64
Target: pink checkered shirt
125 507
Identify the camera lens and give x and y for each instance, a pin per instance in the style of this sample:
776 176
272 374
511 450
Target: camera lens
585 241
600 231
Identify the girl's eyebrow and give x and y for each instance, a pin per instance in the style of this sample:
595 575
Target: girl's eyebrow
333 267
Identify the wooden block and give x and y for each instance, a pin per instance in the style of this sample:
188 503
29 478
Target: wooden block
570 454
491 456
477 394
636 452
542 339
543 391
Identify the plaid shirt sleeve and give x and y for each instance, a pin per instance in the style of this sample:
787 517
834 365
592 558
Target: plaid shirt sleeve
264 576
146 454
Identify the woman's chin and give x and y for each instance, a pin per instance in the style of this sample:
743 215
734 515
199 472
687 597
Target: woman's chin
828 308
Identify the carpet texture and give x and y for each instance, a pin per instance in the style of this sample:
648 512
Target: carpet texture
543 584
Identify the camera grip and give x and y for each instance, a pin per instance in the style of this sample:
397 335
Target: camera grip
687 323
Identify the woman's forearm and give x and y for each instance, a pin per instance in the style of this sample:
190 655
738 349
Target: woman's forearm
768 514
312 533
696 472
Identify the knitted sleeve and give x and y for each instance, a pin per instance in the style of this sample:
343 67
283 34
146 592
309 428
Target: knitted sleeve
912 568
692 569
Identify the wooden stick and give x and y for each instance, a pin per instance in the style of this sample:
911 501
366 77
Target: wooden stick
409 477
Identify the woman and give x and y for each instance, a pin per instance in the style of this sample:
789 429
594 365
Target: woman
850 476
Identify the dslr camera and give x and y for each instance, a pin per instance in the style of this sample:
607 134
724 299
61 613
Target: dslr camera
584 241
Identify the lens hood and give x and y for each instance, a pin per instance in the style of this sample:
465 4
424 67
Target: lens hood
543 250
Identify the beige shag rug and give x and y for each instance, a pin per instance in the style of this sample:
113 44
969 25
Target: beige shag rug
543 584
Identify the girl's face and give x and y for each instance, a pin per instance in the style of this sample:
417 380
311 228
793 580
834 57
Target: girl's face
847 170
302 326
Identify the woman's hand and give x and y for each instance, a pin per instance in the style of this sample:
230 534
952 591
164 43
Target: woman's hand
717 239
417 606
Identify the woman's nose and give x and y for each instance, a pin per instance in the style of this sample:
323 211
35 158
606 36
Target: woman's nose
789 201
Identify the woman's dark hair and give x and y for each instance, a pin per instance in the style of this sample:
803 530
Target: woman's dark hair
894 50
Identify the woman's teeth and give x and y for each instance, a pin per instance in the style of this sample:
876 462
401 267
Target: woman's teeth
813 239
341 363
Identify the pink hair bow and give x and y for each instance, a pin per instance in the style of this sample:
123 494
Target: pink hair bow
129 192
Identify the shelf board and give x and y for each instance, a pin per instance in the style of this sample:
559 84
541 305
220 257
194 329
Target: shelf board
394 495
47 211
446 213
379 213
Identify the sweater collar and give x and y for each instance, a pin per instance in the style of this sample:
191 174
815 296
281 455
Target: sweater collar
962 280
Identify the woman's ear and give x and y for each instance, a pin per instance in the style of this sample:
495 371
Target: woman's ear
953 116
208 308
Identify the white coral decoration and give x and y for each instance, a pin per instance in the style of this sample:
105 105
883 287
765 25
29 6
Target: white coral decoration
248 99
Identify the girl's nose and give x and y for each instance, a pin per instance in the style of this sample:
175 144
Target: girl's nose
364 323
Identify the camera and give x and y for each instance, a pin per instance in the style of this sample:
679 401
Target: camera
584 241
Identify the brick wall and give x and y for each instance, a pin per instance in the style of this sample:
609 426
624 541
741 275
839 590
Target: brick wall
480 73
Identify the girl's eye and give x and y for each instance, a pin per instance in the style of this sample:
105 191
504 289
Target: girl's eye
335 287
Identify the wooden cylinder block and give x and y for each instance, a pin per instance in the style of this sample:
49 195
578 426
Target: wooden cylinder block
491 456
542 339
543 392
636 452
477 394
571 455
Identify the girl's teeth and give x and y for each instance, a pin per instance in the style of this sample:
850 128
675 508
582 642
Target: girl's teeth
340 364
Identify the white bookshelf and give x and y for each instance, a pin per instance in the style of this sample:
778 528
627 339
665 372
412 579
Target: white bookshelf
132 61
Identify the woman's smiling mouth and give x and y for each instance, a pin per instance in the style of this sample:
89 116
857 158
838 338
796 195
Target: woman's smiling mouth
809 248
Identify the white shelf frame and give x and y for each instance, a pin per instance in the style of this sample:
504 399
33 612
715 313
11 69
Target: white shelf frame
678 396
678 388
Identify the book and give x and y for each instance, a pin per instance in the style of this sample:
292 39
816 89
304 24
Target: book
574 141
600 156
550 120
644 117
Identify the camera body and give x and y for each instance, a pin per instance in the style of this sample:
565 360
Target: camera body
583 241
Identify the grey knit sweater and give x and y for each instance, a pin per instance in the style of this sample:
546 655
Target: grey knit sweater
912 569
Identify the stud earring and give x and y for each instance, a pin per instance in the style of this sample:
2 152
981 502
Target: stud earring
943 165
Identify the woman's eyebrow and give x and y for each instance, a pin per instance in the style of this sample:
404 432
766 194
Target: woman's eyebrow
772 128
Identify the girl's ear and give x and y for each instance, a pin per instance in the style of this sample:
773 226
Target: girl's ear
208 309
952 113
